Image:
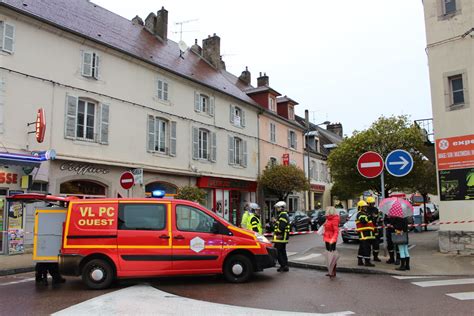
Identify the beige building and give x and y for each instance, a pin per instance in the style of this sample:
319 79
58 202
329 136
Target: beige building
450 47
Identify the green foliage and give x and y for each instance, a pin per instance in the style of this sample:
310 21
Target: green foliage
191 193
383 136
281 180
426 178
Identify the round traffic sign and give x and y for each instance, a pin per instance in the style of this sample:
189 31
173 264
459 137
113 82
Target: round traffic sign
370 164
399 163
127 180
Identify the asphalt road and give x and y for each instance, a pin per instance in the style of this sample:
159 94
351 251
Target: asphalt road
297 291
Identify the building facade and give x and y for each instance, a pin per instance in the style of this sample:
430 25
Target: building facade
450 46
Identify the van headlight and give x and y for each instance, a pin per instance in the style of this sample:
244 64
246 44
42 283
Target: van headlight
262 238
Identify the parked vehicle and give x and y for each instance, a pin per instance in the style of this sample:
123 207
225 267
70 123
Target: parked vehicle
318 218
432 212
299 221
343 216
349 232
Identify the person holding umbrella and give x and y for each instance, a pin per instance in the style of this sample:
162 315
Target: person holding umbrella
331 232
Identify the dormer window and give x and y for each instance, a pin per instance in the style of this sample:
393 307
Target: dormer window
291 113
272 104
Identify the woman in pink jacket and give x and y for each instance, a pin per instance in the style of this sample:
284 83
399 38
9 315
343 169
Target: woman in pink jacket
331 232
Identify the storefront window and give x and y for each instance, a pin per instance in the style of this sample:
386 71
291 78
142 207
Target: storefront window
83 188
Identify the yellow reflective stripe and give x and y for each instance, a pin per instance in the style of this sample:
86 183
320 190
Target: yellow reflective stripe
364 228
283 219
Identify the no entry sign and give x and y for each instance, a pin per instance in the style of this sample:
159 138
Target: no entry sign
370 164
127 180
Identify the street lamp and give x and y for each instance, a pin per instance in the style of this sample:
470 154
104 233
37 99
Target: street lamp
308 129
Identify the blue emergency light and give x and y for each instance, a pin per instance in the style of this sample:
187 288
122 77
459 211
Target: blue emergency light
158 193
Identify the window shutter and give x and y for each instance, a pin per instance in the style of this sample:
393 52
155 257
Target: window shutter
242 119
70 117
2 104
244 156
104 123
86 64
8 37
211 106
231 150
296 140
2 35
173 139
289 139
231 114
95 64
160 89
165 91
197 102
151 133
213 147
195 143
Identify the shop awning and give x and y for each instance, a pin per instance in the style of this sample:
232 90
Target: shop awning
33 160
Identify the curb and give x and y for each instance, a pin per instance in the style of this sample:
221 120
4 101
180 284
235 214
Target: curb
16 271
338 269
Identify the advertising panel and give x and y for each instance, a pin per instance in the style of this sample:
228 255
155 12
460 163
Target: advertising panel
456 184
15 228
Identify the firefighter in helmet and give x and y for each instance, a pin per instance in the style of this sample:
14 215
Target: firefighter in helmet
377 220
365 229
281 235
253 222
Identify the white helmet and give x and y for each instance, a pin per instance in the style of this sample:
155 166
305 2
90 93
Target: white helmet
254 206
280 204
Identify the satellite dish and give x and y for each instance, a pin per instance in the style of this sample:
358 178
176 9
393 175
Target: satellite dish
182 46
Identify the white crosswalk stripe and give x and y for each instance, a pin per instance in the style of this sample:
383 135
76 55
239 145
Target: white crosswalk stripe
307 257
462 296
290 253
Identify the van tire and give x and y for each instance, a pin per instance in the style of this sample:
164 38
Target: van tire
102 269
238 269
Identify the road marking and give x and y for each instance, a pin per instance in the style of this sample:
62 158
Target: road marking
370 164
399 277
16 282
145 300
290 253
310 256
444 282
412 246
463 296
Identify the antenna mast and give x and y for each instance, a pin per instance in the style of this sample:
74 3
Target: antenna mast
181 27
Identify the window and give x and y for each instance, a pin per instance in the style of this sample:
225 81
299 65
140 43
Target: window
39 187
203 103
291 113
292 140
191 219
90 65
162 86
457 90
271 104
313 170
449 6
204 144
237 151
86 120
161 136
142 217
272 133
272 162
237 116
7 33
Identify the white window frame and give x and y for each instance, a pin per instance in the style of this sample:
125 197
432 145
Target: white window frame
452 91
273 161
162 89
90 70
204 142
204 103
3 28
272 132
272 104
445 5
237 116
291 113
292 140
85 126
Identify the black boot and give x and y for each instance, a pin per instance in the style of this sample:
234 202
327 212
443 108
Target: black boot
359 261
402 266
392 257
397 258
376 257
368 263
407 263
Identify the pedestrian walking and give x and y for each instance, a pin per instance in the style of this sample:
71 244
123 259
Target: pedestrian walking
253 222
281 235
365 228
376 216
331 232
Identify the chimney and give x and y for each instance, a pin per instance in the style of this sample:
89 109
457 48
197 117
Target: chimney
245 76
335 128
137 21
196 48
211 50
158 24
262 80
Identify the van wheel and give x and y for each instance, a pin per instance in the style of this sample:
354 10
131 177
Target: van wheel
238 269
98 274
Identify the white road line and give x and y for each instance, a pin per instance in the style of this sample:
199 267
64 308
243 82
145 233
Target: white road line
444 282
399 277
310 256
19 281
463 296
290 253
412 246
146 300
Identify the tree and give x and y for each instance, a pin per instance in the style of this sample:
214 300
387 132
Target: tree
426 183
281 180
383 136
191 193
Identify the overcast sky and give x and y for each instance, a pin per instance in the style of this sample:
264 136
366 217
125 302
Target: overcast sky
346 61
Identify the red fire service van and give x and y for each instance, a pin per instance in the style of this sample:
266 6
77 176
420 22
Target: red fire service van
106 239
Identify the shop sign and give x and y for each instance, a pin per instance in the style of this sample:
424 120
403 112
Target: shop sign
138 176
456 184
317 187
82 168
455 152
40 125
286 159
8 178
229 184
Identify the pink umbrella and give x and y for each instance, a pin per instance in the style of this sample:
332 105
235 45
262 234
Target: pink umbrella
396 207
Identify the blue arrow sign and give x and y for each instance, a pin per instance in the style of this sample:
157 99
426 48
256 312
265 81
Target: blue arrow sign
399 163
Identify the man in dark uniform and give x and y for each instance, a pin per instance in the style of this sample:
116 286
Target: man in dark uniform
365 228
281 235
376 218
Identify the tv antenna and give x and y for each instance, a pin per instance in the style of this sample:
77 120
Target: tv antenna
181 27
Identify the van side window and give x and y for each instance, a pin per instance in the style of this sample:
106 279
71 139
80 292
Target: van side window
142 217
191 219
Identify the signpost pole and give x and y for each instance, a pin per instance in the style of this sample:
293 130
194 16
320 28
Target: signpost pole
382 185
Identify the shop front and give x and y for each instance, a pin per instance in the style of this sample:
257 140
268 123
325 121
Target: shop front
227 197
316 196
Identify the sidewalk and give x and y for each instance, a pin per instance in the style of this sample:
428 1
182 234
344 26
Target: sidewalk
425 259
16 263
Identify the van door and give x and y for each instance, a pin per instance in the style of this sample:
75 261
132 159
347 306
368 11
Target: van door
143 237
195 247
